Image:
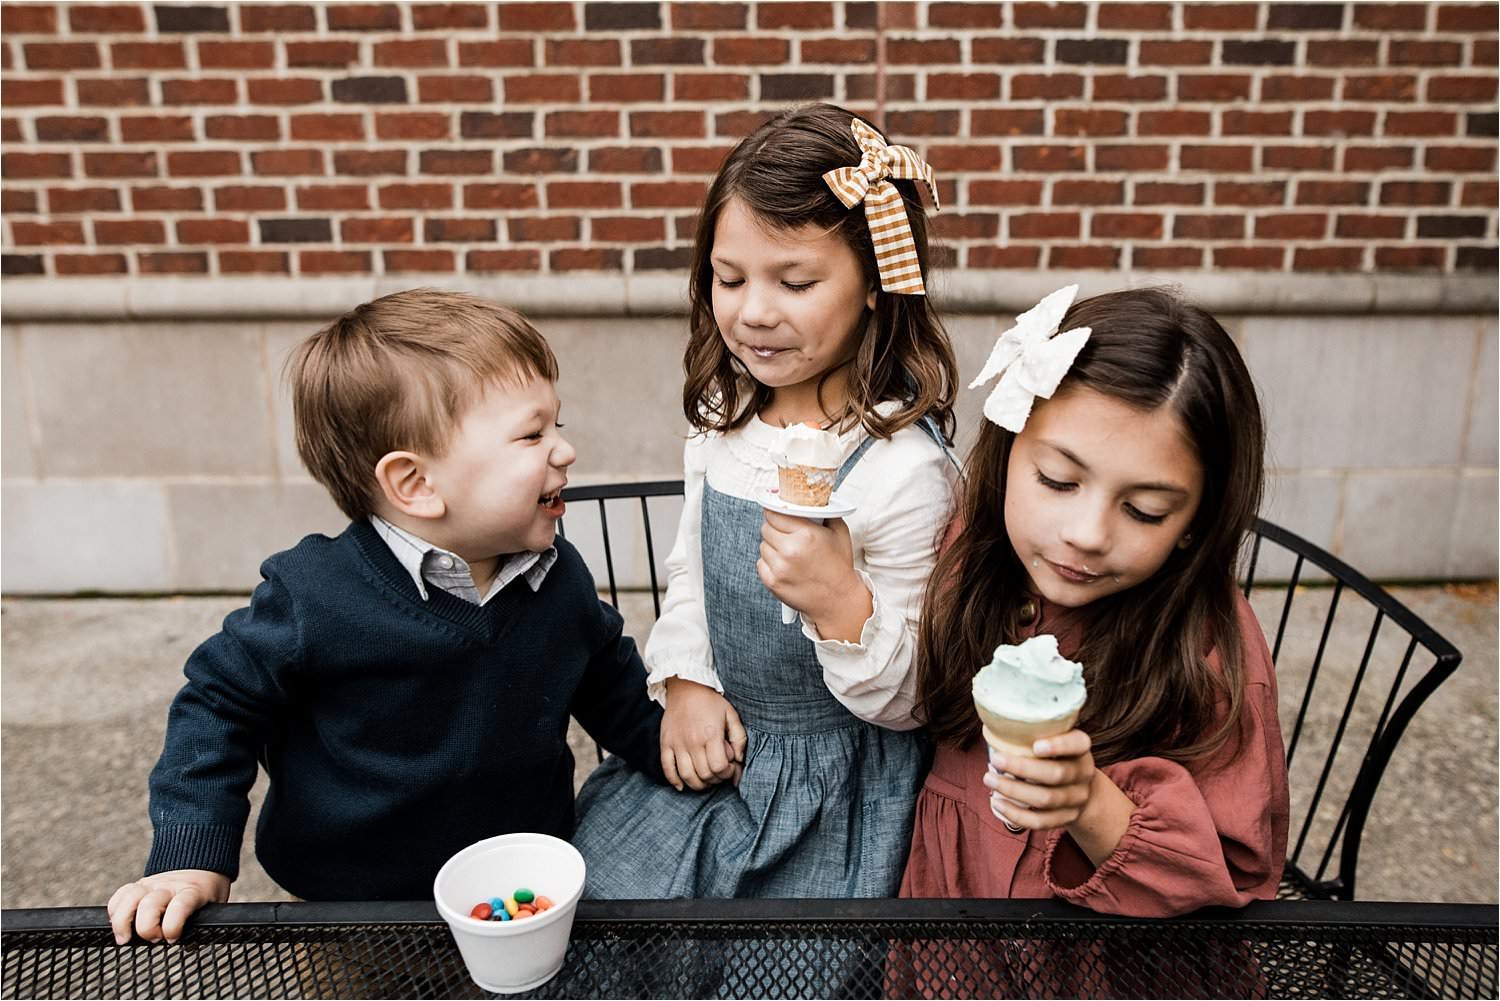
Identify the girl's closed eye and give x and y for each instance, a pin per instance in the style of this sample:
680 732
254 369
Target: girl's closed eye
1061 486
728 282
798 286
1143 516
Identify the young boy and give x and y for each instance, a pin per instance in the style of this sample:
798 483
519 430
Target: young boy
406 685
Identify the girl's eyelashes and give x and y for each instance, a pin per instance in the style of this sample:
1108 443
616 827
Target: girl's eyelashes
737 282
1063 487
1142 516
1051 484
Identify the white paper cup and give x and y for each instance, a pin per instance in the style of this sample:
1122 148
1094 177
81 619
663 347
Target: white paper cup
507 957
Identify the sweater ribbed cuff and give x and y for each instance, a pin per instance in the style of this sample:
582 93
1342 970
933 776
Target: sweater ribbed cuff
215 847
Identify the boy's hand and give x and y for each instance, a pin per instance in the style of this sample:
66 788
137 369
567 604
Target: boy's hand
158 906
702 741
811 568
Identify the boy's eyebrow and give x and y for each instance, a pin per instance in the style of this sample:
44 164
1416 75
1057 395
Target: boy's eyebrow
1159 486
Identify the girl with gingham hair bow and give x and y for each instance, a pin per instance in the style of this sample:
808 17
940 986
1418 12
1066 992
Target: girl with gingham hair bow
794 746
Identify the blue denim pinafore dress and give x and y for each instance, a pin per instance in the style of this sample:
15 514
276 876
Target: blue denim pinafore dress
824 807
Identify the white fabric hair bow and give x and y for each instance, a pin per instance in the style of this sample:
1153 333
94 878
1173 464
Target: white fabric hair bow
1030 360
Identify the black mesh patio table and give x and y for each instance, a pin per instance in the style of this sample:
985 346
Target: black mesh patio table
788 948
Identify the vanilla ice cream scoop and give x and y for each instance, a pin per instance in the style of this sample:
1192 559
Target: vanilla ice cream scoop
806 445
807 463
1027 692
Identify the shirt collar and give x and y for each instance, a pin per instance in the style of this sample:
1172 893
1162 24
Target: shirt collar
427 563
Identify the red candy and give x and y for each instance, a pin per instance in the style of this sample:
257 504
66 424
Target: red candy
482 911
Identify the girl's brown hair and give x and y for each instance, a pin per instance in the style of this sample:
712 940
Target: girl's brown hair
1151 689
399 373
777 173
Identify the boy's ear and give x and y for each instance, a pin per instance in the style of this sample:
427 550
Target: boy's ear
403 482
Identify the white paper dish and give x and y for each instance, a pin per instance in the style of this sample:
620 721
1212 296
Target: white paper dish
837 507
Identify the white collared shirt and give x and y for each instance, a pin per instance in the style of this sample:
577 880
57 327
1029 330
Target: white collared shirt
429 564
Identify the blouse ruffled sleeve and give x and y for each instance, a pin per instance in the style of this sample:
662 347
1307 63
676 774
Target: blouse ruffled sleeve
679 646
906 500
1210 832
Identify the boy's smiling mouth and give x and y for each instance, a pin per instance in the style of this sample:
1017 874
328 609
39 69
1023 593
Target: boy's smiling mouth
552 503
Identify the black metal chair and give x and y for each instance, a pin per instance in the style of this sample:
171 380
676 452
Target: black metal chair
1346 698
1354 691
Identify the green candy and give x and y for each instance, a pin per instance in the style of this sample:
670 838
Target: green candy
524 896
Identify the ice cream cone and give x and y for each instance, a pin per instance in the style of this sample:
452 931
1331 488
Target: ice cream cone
1014 738
809 486
807 464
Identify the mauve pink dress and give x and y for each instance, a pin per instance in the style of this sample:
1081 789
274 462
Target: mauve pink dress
1211 832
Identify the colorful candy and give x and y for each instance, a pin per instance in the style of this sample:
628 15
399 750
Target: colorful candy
523 903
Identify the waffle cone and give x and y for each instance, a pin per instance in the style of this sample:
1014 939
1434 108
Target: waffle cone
809 486
1015 736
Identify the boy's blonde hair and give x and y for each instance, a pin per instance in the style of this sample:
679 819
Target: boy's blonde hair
398 373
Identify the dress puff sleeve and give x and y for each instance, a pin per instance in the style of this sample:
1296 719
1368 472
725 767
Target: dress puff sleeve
1211 832
679 646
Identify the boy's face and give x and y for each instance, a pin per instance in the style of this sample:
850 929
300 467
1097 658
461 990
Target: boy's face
506 464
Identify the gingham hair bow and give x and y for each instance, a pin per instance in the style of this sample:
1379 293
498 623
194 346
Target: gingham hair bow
895 248
1030 360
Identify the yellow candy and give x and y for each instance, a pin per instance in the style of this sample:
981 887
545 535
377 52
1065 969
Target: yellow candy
511 907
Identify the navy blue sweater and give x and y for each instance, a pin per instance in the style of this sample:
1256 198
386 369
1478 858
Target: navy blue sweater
395 731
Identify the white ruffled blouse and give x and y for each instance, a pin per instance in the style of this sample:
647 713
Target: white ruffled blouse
904 489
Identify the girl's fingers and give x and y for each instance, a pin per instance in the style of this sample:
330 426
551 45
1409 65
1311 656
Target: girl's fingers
734 732
764 570
701 770
1043 771
779 522
669 768
716 760
1034 796
1073 744
1031 820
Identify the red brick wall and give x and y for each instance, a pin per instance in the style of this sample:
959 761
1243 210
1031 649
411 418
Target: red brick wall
311 138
